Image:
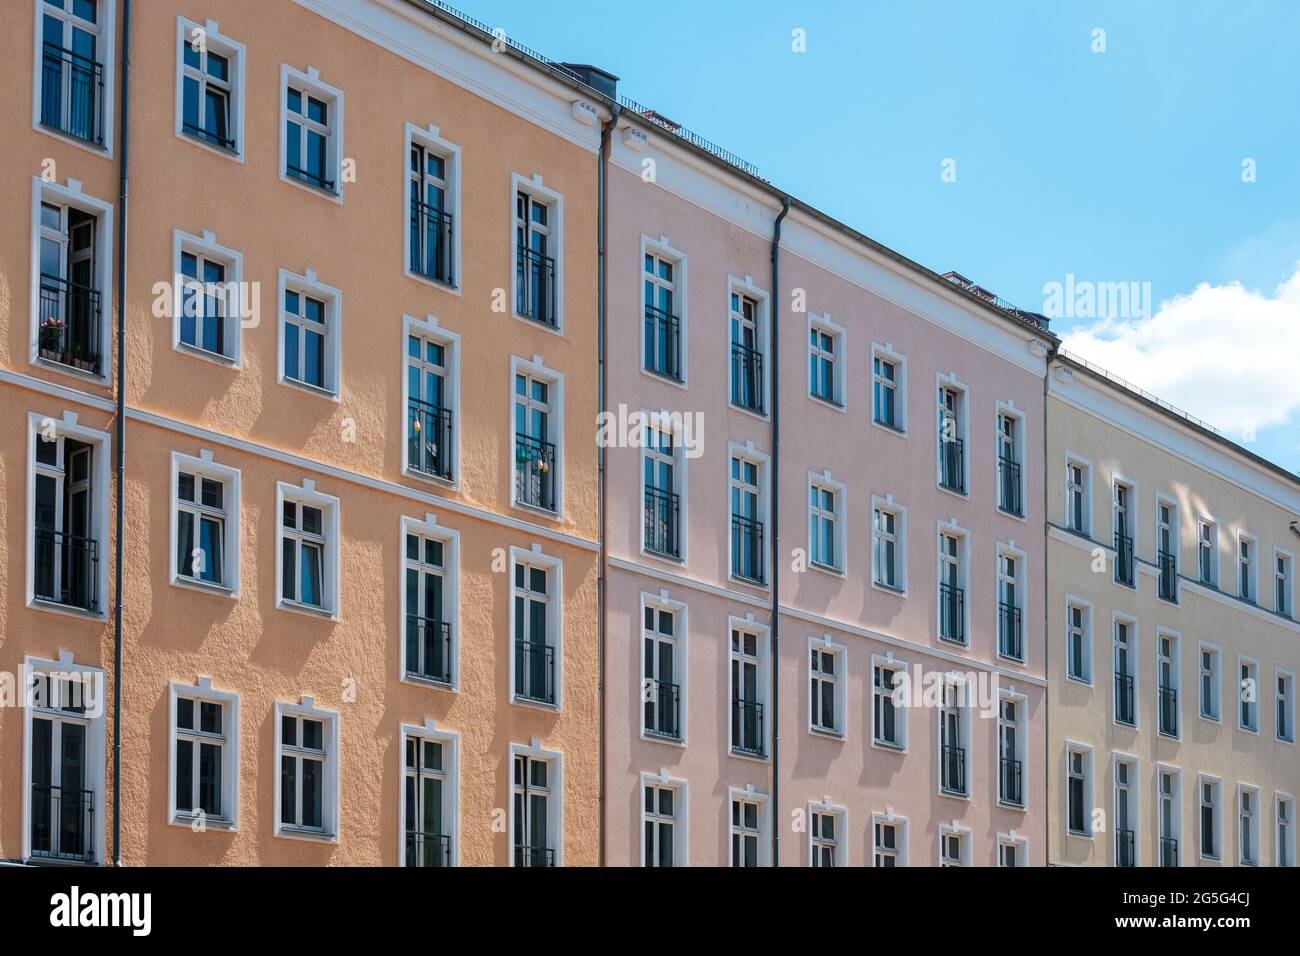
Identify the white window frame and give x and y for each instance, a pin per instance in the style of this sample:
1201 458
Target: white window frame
536 369
1134 804
750 795
1204 522
839 359
1017 844
888 505
665 422
1176 672
537 191
207 249
1251 567
1073 460
1090 799
107 58
429 329
763 333
1216 687
1008 549
204 466
1019 430
310 83
1021 727
332 299
839 681
306 708
901 705
952 529
1135 668
554 787
663 249
824 482
680 818
1217 783
424 528
1284 834
202 690
749 453
949 380
450 741
964 836
1253 665
900 824
554 568
763 636
966 712
306 494
840 848
1283 674
1176 799
430 139
1132 514
234 53
1284 575
886 353
661 602
1254 843
1073 602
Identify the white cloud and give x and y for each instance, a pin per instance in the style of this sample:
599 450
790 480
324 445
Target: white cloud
1224 353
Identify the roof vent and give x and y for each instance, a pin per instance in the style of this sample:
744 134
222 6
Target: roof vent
603 82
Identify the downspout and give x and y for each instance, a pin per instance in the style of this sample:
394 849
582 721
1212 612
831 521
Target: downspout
602 188
776 538
120 428
1047 616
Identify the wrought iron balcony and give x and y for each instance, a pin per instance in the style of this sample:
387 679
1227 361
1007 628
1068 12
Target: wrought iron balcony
69 330
952 613
427 849
1124 853
747 377
66 569
209 136
663 347
72 94
1168 711
953 769
534 472
432 242
1124 559
747 549
1010 632
661 517
1124 699
1168 851
1009 486
1010 786
63 824
428 649
663 710
533 856
952 464
428 438
535 286
310 178
1167 579
747 727
535 672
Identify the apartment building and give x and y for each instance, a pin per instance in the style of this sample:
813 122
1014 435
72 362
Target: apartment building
359 595
1173 648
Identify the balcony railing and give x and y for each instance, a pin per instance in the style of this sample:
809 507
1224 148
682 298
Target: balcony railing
210 136
1011 787
1124 699
952 613
535 286
663 710
661 515
428 649
534 472
427 849
63 824
310 178
663 346
1124 855
432 245
747 727
1010 634
953 765
69 331
535 672
72 94
1009 485
1168 711
534 855
746 377
1168 576
952 464
747 548
428 432
1123 559
66 569
1168 851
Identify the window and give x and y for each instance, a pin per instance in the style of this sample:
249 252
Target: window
749 676
954 733
663 468
1078 641
954 847
536 622
1126 815
1078 483
1124 522
663 667
538 416
1207 558
306 789
67 478
205 529
664 285
1246 567
1248 694
952 586
1284 832
1284 710
662 812
536 808
204 756
1011 750
1209 682
430 796
888 716
952 435
430 606
433 199
1167 667
1078 763
1166 551
309 549
827 835
1169 814
825 360
748 508
748 829
206 303
537 237
1208 788
70 294
888 388
1282 583
825 525
309 333
748 348
1010 571
1011 852
209 87
1011 486
1125 657
432 398
74 69
1248 826
311 137
889 840
826 694
888 544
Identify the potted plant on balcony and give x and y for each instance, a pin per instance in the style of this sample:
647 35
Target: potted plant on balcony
81 360
50 337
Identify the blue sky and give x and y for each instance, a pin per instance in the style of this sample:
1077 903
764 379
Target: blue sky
1117 166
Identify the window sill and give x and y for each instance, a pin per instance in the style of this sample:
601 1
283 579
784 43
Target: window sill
451 484
309 836
310 610
322 192
892 429
899 749
448 287
663 556
235 154
71 610
889 589
835 735
954 642
1079 835
215 824
555 328
1017 515
310 389
748 582
663 377
86 375
652 737
1019 661
430 682
828 403
827 569
758 413
1081 681
96 149
954 794
548 513
747 755
534 704
1008 805
204 587
1210 719
955 492
216 358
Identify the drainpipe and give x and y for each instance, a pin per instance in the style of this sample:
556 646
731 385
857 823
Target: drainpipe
776 538
1047 617
602 188
120 429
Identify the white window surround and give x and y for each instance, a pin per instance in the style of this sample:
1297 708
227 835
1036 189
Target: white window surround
666 421
1176 796
107 57
1135 670
536 368
744 286
1089 798
306 494
1020 431
951 528
1280 801
1216 683
681 813
71 196
955 829
1288 590
429 527
1022 748
902 706
899 511
825 644
39 427
763 633
231 291
1010 550
886 351
234 52
1217 783
951 381
311 83
1135 804
96 749
555 786
1239 697
204 466
1175 542
429 329
841 815
430 137
1020 843
822 323
1252 568
1254 844
890 818
450 741
1208 521
750 794
964 699
1280 673
1134 517
1085 465
202 690
662 602
534 187
662 248
1176 667
749 453
1072 600
823 481
554 567
307 708
308 285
